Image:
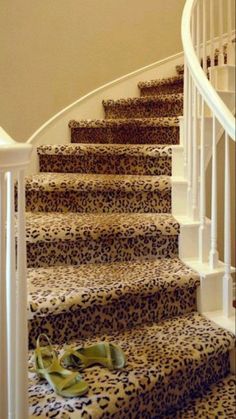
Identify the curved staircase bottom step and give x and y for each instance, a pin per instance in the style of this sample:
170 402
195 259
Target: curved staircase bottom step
218 401
167 364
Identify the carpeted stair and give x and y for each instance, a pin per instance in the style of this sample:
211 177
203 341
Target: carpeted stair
103 264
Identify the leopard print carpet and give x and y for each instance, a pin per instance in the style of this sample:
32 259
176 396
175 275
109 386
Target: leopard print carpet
161 86
145 107
102 250
158 356
122 159
71 238
62 192
219 401
107 297
129 131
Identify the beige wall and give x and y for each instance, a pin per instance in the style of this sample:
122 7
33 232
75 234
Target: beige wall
53 52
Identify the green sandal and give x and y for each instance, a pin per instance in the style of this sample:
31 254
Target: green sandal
64 382
103 353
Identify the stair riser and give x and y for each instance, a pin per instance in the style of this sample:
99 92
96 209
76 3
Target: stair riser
145 110
176 390
117 315
162 89
126 135
108 164
67 252
97 202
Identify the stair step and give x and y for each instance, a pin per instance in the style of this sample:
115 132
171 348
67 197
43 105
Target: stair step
74 192
126 131
74 239
145 107
104 298
162 86
218 401
167 363
132 159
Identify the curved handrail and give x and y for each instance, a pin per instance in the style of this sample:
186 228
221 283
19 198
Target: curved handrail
212 99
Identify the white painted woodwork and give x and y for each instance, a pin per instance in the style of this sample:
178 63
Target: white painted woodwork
14 158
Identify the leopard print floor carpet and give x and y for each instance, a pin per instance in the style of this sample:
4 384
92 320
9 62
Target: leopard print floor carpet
103 259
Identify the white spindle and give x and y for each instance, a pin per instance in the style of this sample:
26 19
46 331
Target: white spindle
3 314
204 55
227 279
214 256
22 334
230 47
185 119
221 31
190 142
11 297
202 229
212 33
195 213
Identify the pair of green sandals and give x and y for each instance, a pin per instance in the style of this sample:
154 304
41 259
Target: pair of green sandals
68 383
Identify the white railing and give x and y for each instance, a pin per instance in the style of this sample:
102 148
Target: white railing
14 158
207 25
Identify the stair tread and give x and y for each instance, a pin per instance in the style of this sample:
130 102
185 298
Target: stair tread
55 226
160 82
217 401
73 286
144 100
63 182
164 121
103 149
158 356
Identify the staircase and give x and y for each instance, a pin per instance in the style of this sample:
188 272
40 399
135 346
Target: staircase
103 258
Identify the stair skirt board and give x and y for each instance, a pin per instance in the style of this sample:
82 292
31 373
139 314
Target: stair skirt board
103 265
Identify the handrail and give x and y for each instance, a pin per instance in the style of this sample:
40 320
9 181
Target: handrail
14 159
213 100
206 116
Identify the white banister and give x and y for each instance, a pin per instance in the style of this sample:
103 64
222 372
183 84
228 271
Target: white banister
11 296
14 159
214 256
207 116
21 324
227 279
185 122
195 212
221 31
3 322
202 229
212 34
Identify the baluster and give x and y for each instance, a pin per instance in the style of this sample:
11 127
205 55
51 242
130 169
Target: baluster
186 110
221 31
230 47
22 334
204 55
198 51
212 33
202 228
214 256
190 142
227 278
195 212
3 313
11 296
